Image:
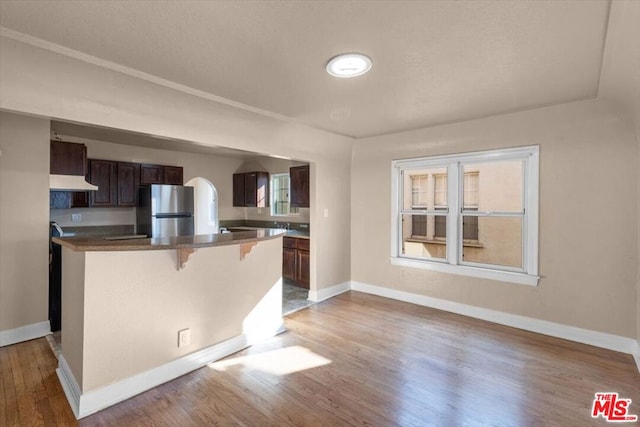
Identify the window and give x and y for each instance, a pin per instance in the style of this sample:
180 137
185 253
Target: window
419 201
470 224
418 191
473 214
280 198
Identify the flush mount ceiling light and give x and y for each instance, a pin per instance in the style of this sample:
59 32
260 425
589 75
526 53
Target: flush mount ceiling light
348 65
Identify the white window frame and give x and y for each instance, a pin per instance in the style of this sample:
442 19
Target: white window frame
528 274
272 200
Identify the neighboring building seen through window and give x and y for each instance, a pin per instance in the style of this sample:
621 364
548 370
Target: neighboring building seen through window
469 210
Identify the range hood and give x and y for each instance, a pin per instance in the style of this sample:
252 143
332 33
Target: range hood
70 183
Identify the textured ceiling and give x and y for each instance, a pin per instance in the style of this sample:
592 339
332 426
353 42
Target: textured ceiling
433 61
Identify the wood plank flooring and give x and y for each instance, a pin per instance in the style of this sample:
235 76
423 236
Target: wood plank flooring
357 360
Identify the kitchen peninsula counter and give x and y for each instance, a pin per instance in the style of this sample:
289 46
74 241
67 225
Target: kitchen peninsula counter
125 303
83 244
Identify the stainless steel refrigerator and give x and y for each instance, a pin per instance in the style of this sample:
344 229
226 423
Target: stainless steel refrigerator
165 210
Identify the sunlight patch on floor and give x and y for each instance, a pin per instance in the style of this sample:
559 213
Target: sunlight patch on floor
279 362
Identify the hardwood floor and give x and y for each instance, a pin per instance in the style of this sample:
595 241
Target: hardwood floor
355 359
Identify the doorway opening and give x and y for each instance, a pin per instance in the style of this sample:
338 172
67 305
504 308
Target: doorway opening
205 206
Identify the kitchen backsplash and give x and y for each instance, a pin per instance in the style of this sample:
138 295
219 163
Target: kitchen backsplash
301 226
83 217
264 214
99 230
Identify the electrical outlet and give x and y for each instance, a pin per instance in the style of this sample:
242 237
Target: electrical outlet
184 337
76 217
326 212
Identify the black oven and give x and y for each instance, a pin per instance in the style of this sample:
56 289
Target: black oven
55 278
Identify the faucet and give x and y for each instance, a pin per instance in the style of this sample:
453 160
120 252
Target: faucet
288 226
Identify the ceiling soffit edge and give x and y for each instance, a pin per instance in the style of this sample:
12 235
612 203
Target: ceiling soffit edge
84 57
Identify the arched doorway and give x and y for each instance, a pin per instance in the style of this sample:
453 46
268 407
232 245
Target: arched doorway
205 201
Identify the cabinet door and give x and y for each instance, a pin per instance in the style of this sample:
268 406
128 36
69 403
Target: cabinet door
173 175
289 263
128 182
67 158
80 199
303 268
103 174
238 189
151 174
262 189
299 177
250 189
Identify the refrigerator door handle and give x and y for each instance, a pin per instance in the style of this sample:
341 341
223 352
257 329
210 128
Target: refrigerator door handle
173 215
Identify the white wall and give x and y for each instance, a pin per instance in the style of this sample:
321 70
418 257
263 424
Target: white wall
588 215
217 169
24 228
49 84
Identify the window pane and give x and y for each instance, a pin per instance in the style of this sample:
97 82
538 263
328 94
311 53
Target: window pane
470 227
499 241
419 238
418 188
495 186
280 195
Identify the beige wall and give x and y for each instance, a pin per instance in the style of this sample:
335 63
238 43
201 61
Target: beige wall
24 228
587 252
48 84
620 78
219 170
118 322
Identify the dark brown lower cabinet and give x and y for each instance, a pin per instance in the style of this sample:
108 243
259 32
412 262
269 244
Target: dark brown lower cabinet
296 261
289 263
303 268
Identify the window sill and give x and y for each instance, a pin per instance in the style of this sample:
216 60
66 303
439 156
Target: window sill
464 270
443 242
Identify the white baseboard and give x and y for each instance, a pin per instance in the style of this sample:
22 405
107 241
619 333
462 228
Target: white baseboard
326 293
571 333
84 404
24 333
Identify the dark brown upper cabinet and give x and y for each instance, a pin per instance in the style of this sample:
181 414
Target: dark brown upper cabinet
117 183
299 186
151 174
128 176
251 189
103 174
173 175
159 174
67 158
238 189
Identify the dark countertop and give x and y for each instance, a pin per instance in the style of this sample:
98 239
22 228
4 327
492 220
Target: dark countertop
298 234
82 244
